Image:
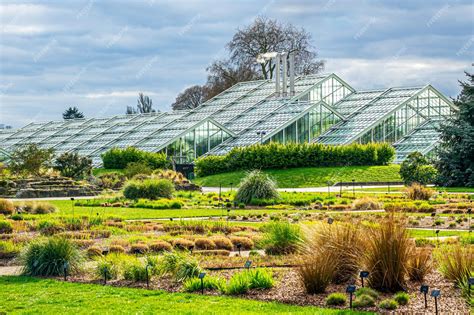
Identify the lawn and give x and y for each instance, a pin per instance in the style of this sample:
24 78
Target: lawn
423 233
311 176
43 296
400 189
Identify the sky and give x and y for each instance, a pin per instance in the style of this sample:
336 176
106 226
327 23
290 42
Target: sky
98 55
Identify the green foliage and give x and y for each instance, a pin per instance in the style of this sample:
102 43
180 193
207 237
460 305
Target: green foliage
417 169
455 262
5 227
363 301
238 284
281 238
241 282
336 299
49 257
106 269
180 265
209 283
72 113
277 156
117 158
260 278
256 185
136 271
136 168
8 249
367 291
148 189
455 151
402 298
73 165
388 304
31 160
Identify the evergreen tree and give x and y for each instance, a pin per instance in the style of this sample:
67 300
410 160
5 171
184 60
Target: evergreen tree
456 151
72 113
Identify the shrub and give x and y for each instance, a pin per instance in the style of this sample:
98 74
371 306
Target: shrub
5 227
160 246
117 158
94 251
209 283
73 165
204 244
366 203
277 156
176 178
111 180
181 243
6 207
455 262
245 242
419 264
49 227
418 192
137 168
336 299
180 266
388 251
417 169
149 189
116 249
136 271
402 298
8 249
363 301
139 248
260 278
238 284
256 185
30 159
367 291
345 243
48 258
281 238
388 304
43 208
107 269
222 243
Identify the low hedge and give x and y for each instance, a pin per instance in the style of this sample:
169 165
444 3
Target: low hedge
277 156
117 158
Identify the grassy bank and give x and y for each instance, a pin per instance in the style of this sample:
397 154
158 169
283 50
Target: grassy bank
311 176
44 296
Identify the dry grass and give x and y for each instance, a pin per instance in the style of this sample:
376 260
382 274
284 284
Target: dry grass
418 192
316 270
344 242
367 203
456 262
420 264
388 251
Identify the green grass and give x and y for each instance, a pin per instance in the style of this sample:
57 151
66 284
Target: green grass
311 176
21 295
101 171
423 233
400 189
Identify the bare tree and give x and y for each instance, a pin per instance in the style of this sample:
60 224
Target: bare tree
190 98
144 105
265 35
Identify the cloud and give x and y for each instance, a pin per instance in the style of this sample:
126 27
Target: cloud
98 55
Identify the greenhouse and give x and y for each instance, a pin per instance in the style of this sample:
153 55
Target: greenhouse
312 108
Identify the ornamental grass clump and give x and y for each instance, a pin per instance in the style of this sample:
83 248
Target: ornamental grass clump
418 192
455 262
346 245
388 252
420 264
281 238
50 257
256 185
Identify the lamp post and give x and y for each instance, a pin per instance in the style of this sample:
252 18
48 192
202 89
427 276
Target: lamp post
72 206
424 289
436 294
353 188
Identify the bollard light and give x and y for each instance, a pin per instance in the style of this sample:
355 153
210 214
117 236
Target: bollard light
470 282
424 289
363 274
65 268
72 206
350 289
201 276
436 294
247 264
239 246
330 220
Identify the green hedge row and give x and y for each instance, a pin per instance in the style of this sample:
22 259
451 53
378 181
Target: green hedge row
277 156
117 158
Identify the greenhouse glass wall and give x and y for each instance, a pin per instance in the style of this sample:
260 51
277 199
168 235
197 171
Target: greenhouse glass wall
319 108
